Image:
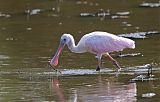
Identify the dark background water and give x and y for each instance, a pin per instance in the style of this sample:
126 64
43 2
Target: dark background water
27 43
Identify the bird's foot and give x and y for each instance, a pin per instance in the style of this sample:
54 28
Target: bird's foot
98 68
118 69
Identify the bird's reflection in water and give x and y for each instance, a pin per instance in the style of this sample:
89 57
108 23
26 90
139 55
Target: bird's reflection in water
98 89
108 91
59 91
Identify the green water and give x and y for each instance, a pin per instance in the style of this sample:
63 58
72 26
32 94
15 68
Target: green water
27 43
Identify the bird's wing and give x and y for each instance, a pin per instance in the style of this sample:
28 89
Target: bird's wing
102 43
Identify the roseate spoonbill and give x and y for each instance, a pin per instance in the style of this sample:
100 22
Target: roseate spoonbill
99 43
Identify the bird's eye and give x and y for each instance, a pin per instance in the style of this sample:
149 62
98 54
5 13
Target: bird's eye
64 39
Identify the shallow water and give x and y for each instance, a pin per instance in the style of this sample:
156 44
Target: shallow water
29 36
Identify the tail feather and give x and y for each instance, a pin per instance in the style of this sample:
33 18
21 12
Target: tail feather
128 43
131 44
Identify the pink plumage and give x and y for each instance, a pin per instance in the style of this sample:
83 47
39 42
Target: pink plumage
99 43
102 42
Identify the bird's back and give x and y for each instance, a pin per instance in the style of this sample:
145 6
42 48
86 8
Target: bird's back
102 42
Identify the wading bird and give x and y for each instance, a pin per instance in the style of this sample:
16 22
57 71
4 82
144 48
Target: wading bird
99 43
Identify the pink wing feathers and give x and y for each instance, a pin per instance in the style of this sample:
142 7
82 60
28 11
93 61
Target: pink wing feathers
103 42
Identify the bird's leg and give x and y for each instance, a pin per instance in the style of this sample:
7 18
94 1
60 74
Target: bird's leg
98 66
99 62
113 60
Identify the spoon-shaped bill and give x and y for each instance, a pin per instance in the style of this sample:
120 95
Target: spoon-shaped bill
54 60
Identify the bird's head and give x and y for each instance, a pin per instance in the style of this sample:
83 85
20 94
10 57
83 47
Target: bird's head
65 39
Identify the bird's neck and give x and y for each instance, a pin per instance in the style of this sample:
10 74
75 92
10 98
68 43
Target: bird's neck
74 48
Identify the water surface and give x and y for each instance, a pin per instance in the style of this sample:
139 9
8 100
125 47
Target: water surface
29 36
